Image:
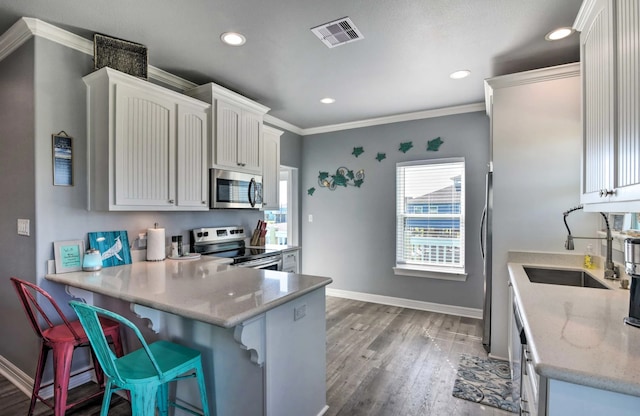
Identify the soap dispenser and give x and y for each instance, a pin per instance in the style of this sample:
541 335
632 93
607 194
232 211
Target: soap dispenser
588 257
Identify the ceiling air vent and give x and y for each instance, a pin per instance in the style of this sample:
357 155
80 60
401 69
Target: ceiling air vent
338 32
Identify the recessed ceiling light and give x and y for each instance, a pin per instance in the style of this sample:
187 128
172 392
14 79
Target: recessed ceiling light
328 100
460 74
559 33
233 38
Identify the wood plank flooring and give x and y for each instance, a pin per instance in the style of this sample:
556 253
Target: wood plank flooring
385 360
381 360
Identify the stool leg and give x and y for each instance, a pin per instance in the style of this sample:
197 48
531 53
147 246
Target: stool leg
203 388
106 400
162 399
62 355
143 400
42 360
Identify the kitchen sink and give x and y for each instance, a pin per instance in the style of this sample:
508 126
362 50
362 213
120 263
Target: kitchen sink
563 277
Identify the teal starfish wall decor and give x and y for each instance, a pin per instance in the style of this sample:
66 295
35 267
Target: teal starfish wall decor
404 147
310 191
434 145
381 156
343 177
357 151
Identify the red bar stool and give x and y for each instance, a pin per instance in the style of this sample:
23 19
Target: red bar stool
62 339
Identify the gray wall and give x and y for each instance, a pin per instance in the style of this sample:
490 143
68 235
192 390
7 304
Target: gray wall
17 175
57 213
352 236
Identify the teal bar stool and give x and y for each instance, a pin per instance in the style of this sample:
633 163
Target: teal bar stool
146 372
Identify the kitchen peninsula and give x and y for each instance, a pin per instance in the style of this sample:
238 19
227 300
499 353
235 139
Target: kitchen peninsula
262 333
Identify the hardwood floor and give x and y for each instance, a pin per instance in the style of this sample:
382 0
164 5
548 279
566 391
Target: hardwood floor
381 360
384 360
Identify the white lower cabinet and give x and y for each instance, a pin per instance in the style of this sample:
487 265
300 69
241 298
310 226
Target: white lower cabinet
147 146
291 261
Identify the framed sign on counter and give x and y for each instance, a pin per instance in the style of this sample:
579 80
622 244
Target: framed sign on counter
62 159
68 255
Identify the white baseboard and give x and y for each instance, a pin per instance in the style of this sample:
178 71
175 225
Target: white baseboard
24 382
407 303
324 410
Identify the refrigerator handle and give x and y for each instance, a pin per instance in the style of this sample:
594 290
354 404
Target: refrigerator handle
484 217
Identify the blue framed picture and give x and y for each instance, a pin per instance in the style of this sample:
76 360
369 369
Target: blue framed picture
113 247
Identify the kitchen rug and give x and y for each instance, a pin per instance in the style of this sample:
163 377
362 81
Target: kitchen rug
486 381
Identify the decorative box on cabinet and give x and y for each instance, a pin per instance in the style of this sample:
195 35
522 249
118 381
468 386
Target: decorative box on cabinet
610 63
147 146
271 168
235 126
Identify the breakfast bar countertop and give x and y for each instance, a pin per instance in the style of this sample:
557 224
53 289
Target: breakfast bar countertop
206 289
577 334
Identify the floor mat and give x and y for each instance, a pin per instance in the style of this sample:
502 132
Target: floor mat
486 381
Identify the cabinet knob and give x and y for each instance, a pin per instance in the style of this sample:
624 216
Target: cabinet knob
607 192
204 202
171 201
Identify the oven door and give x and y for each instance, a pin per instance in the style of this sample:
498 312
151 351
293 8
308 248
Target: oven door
228 189
265 263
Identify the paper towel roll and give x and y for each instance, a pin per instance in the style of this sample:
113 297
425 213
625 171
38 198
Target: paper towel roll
155 244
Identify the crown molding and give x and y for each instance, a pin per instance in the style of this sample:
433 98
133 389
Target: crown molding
536 75
440 112
283 124
584 14
27 27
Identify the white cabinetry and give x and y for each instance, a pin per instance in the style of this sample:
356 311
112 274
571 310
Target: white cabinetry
147 146
271 168
235 124
610 60
291 261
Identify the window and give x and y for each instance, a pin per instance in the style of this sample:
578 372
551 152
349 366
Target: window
430 208
281 225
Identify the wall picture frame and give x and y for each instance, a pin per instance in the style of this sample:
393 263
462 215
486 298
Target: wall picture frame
62 152
68 255
113 246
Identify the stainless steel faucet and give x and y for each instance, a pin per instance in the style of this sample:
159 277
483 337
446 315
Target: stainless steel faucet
610 270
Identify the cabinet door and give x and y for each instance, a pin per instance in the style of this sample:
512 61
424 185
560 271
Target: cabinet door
192 157
144 148
271 171
227 132
597 57
628 94
250 142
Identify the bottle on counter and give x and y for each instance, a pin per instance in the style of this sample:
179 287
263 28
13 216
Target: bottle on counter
588 257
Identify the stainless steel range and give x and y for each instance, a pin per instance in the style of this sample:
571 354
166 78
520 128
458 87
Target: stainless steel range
230 242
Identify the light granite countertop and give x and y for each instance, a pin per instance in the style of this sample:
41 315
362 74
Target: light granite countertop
577 334
206 289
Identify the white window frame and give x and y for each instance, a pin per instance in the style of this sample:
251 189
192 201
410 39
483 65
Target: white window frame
416 268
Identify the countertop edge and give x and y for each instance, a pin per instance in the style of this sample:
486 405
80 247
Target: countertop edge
228 323
546 369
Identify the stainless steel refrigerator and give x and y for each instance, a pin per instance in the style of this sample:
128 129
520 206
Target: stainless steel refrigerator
485 247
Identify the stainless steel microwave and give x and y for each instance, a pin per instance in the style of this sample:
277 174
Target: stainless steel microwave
230 189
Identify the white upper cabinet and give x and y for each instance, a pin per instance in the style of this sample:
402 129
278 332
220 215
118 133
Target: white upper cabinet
609 49
236 129
147 146
271 171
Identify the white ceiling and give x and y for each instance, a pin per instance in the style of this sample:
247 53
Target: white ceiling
401 65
